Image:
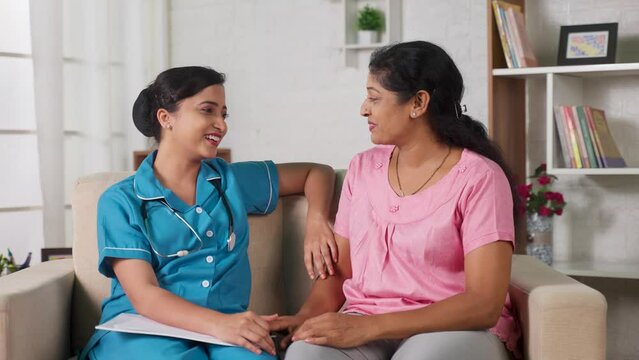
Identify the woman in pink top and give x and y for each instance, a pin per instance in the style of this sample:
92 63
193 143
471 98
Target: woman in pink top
424 229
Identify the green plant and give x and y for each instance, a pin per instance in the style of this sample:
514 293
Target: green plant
370 18
7 263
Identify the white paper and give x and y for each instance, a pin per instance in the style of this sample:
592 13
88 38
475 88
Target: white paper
138 324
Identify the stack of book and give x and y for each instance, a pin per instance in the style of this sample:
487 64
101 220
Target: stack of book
512 32
586 141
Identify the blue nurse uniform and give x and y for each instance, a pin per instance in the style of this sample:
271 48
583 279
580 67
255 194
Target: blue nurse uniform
138 218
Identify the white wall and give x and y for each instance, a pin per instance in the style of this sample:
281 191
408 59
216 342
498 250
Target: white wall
290 96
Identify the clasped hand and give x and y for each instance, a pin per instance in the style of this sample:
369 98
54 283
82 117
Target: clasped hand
331 329
248 330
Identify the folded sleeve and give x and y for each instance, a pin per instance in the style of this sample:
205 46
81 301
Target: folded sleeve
119 233
259 184
487 209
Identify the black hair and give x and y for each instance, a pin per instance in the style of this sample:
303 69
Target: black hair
169 88
406 68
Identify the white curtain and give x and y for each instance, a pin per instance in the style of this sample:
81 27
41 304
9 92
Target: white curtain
90 59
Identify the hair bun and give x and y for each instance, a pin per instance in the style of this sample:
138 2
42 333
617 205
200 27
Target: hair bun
142 113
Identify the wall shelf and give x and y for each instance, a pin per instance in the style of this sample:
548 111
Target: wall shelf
601 70
617 270
594 171
391 33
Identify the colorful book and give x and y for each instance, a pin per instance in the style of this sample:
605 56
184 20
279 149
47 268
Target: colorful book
528 57
562 131
585 131
594 137
610 153
501 30
509 34
572 135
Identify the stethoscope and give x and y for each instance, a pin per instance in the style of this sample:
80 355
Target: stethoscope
230 242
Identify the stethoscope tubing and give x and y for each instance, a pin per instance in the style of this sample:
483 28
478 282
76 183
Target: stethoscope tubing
230 241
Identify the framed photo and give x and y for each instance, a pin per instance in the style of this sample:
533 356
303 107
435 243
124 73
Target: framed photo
587 44
55 253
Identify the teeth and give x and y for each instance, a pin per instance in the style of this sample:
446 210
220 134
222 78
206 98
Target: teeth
212 137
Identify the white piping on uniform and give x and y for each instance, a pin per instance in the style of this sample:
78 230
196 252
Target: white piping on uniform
143 198
127 249
270 187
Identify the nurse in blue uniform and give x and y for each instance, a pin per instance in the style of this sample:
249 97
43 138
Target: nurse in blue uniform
174 236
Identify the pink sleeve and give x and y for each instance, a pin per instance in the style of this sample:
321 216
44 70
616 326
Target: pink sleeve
487 210
342 218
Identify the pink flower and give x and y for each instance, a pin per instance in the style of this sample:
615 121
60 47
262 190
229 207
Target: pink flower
524 190
559 198
559 211
521 208
544 180
550 195
544 211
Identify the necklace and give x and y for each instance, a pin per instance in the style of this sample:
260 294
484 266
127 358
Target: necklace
399 183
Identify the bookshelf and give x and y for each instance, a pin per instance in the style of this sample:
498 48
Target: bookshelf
598 224
568 85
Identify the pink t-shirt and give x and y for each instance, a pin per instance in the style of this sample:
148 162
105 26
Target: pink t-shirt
408 252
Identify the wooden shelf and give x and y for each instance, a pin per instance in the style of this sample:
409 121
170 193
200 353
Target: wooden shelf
594 171
619 270
600 70
364 46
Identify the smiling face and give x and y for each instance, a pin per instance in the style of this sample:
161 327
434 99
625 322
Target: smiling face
199 124
388 119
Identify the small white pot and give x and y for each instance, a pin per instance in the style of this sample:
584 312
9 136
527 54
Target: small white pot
366 37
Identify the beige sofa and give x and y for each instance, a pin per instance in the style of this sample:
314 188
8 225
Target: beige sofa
48 311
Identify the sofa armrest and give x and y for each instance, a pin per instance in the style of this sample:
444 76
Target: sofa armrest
35 308
560 317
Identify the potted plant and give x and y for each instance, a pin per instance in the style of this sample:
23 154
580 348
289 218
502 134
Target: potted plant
540 204
370 22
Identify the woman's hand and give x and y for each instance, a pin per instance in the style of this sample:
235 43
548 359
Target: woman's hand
320 248
286 323
336 330
247 330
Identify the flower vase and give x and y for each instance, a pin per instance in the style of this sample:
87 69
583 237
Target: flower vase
539 231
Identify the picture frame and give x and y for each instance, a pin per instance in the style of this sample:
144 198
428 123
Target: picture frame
47 254
587 44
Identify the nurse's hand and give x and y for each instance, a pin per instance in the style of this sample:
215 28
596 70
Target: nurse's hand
286 324
248 330
320 248
336 330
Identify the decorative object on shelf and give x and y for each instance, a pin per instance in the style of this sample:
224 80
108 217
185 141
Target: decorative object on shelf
370 22
8 264
540 205
587 44
47 254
